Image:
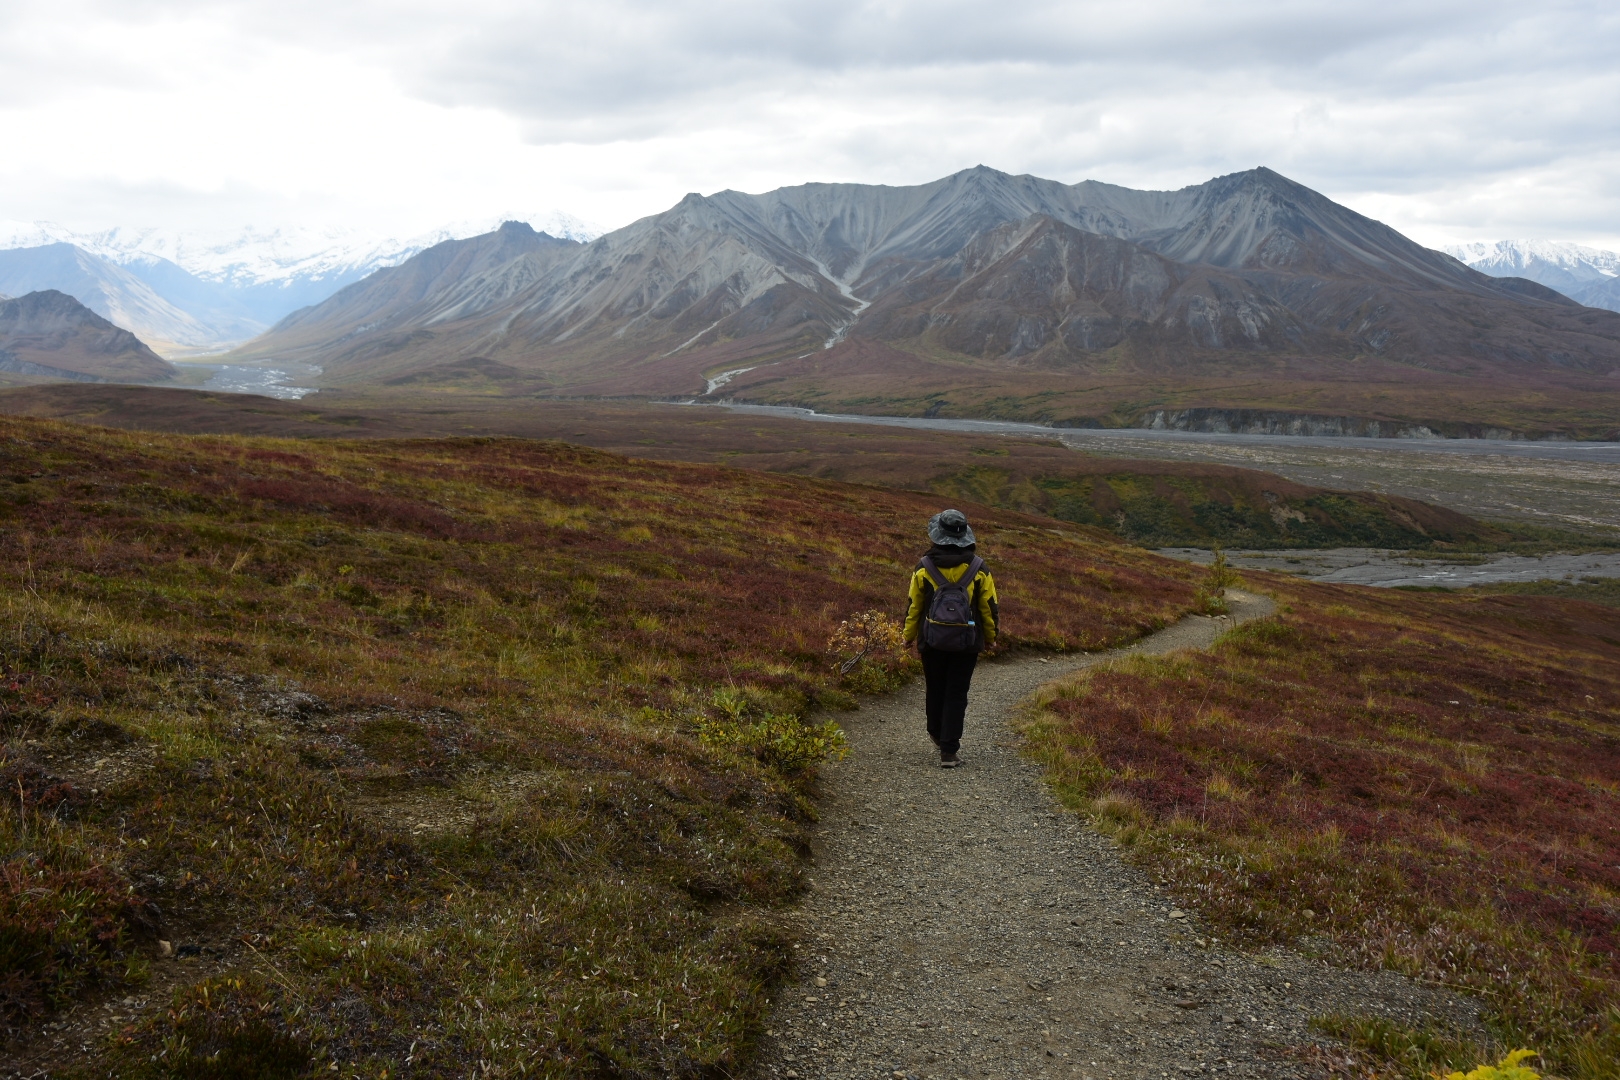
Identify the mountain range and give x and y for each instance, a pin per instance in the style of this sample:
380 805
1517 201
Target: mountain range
188 293
983 293
1588 275
159 302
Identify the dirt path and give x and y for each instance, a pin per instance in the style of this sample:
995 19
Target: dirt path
960 924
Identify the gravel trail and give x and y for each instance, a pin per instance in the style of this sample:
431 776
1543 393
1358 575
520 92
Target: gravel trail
961 924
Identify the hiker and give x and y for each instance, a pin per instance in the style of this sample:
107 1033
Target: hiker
952 618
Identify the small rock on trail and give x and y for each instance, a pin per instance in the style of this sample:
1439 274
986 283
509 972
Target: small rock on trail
960 924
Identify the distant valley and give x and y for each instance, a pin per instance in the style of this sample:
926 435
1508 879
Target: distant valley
1247 303
186 295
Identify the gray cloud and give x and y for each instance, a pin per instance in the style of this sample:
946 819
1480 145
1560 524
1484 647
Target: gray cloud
1450 116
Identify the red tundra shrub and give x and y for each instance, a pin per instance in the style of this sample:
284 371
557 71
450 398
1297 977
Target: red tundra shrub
1430 782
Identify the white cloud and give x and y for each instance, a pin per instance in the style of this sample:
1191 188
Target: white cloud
1449 120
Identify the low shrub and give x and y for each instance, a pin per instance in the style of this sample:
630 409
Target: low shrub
785 743
67 919
868 653
1420 781
446 751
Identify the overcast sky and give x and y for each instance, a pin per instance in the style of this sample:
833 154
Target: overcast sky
1452 121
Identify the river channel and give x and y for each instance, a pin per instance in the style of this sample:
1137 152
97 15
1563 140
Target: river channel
262 379
1566 485
1372 566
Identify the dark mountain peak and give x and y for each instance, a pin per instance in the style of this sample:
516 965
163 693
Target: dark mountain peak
49 309
49 334
982 177
1267 174
1256 182
527 237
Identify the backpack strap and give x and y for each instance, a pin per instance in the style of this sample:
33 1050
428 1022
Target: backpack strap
937 579
973 570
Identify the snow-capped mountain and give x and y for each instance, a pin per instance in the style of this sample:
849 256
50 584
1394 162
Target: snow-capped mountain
1589 275
235 285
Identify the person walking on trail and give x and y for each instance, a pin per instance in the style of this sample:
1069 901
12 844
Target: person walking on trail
951 618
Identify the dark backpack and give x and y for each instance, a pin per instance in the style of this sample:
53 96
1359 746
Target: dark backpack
950 625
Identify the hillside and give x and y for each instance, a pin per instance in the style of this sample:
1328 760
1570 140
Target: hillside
1154 503
989 293
437 751
51 336
435 286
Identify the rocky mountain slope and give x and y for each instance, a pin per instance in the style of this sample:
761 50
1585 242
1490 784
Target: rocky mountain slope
50 335
432 287
1589 275
226 288
1005 273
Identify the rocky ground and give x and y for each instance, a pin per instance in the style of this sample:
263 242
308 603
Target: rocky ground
1382 567
961 924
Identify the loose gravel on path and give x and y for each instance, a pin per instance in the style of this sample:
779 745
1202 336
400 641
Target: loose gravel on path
961 924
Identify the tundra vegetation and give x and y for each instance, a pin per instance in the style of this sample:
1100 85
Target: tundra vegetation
1153 503
1422 781
393 758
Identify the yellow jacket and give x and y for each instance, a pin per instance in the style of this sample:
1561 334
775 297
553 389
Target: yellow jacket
981 593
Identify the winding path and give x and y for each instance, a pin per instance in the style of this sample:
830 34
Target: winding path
960 924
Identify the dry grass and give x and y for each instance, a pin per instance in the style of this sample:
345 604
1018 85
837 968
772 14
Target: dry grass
1425 782
1595 590
1153 503
434 755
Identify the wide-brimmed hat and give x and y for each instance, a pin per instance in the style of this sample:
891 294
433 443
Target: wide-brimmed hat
949 528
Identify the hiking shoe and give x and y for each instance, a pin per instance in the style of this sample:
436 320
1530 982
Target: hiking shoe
949 761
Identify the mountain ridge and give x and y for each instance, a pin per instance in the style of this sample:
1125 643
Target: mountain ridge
221 289
50 335
756 285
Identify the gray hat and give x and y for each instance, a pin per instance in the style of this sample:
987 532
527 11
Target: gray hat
949 528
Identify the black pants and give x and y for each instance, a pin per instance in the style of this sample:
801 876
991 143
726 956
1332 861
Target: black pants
948 675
